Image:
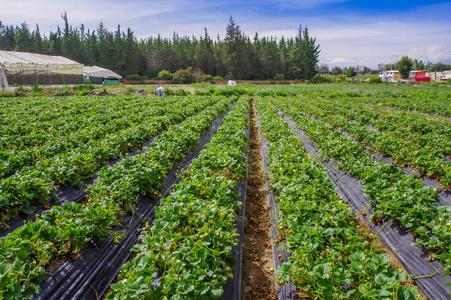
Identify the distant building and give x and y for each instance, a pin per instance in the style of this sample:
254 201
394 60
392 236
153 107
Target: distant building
390 76
418 76
439 76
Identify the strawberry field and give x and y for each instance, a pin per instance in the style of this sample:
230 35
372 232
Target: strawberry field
139 197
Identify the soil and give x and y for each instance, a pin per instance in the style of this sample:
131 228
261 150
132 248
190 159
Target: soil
258 280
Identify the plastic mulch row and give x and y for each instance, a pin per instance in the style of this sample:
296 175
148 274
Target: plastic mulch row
409 111
67 193
393 235
90 275
63 195
445 195
232 288
288 290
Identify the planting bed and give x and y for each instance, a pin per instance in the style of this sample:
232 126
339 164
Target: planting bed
137 197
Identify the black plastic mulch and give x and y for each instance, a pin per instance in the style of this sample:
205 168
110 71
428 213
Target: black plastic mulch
393 235
409 111
288 290
64 194
445 195
98 264
232 289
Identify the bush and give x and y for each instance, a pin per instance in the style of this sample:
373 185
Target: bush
210 91
230 92
320 79
340 78
84 87
350 72
36 90
82 93
182 92
169 92
279 77
209 78
133 77
184 76
218 78
375 80
164 75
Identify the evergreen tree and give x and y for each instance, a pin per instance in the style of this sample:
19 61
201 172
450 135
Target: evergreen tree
236 56
236 62
23 39
303 56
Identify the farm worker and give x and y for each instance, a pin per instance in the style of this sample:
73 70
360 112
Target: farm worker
231 83
160 91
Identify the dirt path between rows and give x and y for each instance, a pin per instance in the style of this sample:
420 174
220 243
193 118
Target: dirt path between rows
258 281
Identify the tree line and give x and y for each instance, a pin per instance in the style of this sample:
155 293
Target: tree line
237 56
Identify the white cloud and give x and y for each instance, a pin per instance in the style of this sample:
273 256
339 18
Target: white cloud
419 33
132 13
338 60
434 53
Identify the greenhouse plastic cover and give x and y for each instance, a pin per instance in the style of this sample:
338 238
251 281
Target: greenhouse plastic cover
95 71
10 57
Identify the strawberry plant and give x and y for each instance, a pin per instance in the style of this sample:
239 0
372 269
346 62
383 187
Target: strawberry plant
61 231
189 243
393 194
331 258
35 184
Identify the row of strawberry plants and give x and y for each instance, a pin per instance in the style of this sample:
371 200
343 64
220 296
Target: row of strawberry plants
89 136
415 102
64 230
434 133
35 184
331 257
394 195
428 160
58 118
188 246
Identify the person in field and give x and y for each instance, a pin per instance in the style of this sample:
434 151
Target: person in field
231 83
160 91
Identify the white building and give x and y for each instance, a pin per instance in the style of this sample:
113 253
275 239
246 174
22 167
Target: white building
390 76
439 76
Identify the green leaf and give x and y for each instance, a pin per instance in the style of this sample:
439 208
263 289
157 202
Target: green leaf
22 254
116 287
381 279
404 294
185 288
216 292
202 253
29 210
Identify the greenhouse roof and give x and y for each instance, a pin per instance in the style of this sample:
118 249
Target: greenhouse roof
95 71
11 57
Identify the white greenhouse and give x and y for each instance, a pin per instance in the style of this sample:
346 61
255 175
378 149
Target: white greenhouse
98 75
23 68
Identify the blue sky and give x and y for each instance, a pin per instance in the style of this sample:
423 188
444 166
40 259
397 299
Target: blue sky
375 31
